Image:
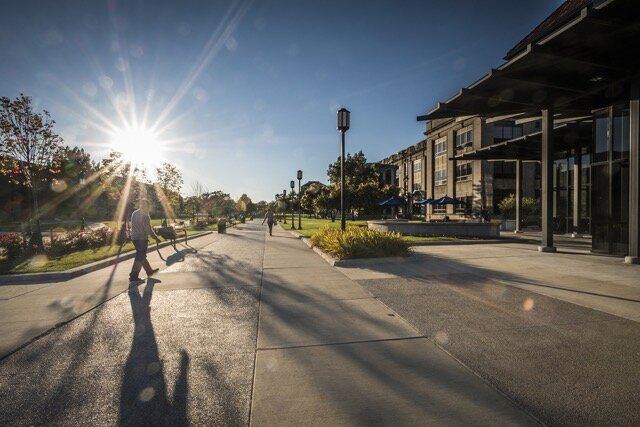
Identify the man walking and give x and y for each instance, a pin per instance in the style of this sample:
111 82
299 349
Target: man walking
140 230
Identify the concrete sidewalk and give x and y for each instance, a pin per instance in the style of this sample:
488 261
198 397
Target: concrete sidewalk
329 353
30 310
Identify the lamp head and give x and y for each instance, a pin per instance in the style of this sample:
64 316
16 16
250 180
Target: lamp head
343 119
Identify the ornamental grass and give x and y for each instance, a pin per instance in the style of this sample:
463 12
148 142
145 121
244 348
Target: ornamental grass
359 242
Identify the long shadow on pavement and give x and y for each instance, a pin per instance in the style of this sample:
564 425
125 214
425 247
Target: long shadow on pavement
143 396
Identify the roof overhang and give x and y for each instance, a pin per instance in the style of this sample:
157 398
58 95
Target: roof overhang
529 147
581 66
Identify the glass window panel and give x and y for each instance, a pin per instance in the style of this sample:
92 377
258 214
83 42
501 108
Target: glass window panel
601 138
620 137
600 193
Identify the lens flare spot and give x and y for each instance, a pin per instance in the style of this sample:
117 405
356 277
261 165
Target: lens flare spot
442 337
272 365
200 94
231 44
90 89
147 394
121 64
106 82
38 261
136 51
58 185
528 304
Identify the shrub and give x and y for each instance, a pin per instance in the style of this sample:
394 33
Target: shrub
358 242
507 207
13 245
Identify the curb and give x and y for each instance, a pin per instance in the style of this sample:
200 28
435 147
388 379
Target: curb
61 276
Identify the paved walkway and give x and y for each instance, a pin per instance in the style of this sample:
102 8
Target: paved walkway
329 353
259 330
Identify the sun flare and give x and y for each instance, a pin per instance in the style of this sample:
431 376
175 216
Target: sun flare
138 146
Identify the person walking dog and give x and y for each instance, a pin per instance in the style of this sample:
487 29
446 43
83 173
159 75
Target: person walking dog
269 217
140 230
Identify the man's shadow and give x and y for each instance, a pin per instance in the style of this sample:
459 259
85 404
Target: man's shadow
143 395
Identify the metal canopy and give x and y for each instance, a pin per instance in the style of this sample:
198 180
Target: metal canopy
579 67
529 147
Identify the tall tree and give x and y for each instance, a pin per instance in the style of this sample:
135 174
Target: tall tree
244 204
356 170
28 147
168 185
361 180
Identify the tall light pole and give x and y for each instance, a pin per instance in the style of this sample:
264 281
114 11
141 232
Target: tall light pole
299 205
293 211
284 209
406 189
343 126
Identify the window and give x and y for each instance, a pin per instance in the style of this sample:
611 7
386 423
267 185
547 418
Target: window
464 171
504 131
505 170
417 175
440 171
440 163
440 146
465 208
439 209
464 137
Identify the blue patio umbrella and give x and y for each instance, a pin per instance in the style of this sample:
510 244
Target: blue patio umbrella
446 200
391 202
424 202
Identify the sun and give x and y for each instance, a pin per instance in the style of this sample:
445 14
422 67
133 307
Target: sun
138 146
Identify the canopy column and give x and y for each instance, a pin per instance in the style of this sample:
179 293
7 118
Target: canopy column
547 181
518 195
634 175
577 190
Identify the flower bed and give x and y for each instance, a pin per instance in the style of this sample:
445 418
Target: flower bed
359 242
15 247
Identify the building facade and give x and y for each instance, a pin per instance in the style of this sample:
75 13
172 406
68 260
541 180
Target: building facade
437 167
566 105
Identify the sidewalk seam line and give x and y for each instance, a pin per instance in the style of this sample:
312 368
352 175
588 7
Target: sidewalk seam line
255 352
417 337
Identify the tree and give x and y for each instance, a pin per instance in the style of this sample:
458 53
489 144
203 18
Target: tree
194 202
73 183
356 170
361 184
244 204
168 185
260 207
28 147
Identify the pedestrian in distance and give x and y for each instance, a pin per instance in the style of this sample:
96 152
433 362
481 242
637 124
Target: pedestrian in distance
269 217
140 231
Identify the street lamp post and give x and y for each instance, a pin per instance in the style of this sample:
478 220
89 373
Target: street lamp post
406 190
293 211
343 126
284 210
299 205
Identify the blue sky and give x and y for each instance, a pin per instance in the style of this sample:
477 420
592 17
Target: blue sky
241 94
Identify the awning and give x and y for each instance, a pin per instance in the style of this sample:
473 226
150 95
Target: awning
581 66
529 147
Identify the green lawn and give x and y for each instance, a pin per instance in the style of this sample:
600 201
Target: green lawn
311 225
41 263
